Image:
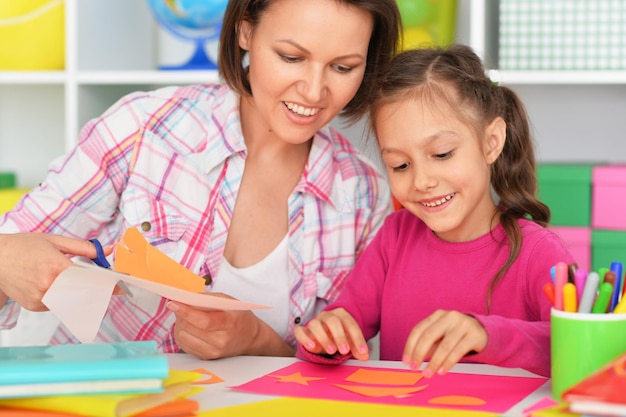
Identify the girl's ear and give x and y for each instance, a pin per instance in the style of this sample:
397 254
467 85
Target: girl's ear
245 35
495 138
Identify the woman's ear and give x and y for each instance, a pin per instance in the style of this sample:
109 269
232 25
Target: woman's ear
495 135
245 35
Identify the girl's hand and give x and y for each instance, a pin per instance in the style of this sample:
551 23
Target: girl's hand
443 338
331 332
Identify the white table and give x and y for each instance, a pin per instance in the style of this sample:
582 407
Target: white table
241 369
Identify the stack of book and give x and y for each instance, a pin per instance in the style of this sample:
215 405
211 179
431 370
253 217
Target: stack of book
603 393
99 380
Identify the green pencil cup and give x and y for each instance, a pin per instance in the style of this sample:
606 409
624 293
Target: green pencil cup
581 344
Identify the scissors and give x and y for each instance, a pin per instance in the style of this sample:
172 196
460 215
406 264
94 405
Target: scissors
101 261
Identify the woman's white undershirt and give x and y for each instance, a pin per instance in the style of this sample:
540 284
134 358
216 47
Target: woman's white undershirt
266 282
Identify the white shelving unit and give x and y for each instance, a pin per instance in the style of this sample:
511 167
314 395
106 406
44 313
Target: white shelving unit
113 47
577 116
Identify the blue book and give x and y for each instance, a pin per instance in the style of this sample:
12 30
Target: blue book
135 366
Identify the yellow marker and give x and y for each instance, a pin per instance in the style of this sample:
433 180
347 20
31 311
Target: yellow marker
621 306
569 298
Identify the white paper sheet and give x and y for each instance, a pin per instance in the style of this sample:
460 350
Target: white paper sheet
80 295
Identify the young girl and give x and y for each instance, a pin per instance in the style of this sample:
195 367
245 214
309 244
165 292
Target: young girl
457 274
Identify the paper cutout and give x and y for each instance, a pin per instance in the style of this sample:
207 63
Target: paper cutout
384 377
80 295
398 392
498 392
558 410
456 400
545 402
293 407
212 379
180 407
296 378
135 256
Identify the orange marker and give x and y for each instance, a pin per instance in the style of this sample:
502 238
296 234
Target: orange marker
570 303
548 290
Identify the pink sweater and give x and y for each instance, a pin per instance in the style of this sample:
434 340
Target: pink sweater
407 273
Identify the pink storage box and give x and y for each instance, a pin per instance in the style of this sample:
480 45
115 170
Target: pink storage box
578 242
608 201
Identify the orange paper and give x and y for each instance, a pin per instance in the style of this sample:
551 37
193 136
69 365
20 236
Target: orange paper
135 256
179 407
375 376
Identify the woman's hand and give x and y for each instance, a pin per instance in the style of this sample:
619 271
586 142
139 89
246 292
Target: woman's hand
443 338
218 334
331 332
29 263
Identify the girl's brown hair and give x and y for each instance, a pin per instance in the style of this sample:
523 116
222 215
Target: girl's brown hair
457 75
382 46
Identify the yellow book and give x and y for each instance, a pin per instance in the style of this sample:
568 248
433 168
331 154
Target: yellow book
177 384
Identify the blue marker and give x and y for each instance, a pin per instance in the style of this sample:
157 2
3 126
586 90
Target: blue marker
617 268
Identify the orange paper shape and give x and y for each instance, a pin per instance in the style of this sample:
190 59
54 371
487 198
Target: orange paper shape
179 407
463 400
135 256
398 392
379 377
212 378
297 378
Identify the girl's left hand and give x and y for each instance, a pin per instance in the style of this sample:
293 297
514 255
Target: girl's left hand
443 338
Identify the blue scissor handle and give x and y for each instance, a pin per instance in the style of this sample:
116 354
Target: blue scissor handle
100 260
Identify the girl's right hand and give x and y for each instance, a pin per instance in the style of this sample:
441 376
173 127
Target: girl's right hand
331 332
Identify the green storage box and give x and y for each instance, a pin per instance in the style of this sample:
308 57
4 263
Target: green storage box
7 180
566 189
607 246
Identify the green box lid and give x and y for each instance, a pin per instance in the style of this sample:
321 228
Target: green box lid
564 172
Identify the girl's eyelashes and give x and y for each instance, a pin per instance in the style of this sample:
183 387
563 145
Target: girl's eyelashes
400 168
445 155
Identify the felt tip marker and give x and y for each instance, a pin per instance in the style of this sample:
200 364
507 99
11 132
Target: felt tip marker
560 280
580 277
569 298
589 293
548 290
621 307
616 267
602 300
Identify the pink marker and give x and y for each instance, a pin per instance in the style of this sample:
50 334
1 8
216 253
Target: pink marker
560 279
580 277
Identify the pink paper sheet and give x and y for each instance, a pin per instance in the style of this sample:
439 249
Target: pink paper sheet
489 393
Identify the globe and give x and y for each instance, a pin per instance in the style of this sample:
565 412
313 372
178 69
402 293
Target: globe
198 21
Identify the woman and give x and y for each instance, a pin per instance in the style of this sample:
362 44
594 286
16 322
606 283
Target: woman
242 182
